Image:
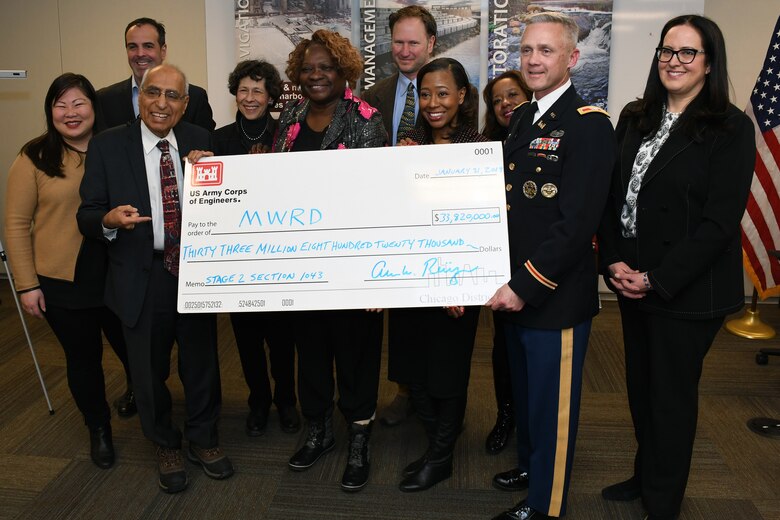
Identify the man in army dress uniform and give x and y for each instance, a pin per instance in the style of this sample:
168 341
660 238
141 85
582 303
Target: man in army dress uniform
558 159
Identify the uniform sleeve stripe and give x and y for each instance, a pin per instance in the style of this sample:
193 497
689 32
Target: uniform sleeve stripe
539 277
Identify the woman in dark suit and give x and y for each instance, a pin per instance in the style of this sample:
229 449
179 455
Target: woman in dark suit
670 245
430 348
256 86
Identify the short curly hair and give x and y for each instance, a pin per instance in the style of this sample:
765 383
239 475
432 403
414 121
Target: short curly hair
256 70
346 56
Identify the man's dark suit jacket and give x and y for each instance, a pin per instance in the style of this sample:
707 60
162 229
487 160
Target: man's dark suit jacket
115 174
382 97
115 106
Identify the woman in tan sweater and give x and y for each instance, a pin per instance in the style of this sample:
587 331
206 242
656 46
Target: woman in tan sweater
60 275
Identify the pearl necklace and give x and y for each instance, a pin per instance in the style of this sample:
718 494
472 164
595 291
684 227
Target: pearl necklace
241 125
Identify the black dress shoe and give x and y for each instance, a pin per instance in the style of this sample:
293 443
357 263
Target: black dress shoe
430 474
289 419
125 405
498 437
623 491
521 512
101 447
512 480
256 422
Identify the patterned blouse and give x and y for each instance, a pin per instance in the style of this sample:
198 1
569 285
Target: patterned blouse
647 152
355 124
464 134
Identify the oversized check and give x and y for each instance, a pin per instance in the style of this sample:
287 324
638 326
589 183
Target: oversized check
412 226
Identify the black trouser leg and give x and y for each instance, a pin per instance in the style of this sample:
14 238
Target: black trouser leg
78 331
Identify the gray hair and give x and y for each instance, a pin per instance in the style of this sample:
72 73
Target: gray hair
571 29
169 66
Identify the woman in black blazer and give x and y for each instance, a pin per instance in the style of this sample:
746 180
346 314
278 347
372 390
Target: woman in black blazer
670 247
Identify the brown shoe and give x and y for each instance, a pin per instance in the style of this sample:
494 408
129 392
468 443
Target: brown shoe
170 467
213 460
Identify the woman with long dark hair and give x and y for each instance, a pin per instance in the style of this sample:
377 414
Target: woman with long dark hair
670 247
430 348
59 274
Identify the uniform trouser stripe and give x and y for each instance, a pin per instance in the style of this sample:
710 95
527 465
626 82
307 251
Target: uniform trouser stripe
564 409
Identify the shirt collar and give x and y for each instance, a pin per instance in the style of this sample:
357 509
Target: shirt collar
149 140
403 83
544 104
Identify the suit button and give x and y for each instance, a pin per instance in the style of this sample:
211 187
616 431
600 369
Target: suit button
511 167
538 169
508 207
508 187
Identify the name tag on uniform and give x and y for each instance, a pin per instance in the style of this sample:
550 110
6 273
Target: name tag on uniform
545 143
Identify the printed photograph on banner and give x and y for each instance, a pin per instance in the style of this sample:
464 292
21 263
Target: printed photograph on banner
594 18
458 27
270 29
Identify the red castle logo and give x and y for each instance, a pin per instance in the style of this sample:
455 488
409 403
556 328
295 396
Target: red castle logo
207 174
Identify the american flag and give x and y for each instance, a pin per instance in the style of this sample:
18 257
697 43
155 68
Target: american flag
760 229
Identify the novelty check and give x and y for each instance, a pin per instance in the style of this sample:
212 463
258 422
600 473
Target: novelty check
412 226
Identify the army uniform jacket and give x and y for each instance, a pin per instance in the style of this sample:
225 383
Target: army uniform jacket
557 177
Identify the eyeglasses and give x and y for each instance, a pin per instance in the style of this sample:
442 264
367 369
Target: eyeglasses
170 95
685 56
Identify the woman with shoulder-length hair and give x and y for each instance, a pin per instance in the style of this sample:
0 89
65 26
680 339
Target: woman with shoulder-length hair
670 247
59 274
430 348
502 95
330 117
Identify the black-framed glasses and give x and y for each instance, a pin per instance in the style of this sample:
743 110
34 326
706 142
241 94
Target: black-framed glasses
155 93
685 56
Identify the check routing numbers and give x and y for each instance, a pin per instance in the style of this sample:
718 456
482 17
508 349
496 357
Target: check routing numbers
387 227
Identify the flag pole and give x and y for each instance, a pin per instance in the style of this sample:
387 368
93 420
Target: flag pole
750 325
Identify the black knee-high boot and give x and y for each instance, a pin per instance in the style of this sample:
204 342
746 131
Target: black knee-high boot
425 407
437 465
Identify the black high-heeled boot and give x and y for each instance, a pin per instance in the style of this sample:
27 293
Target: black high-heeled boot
438 460
498 437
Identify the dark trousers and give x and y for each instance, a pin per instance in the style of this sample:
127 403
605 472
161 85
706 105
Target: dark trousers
664 358
78 331
428 347
502 378
275 328
353 340
150 343
546 367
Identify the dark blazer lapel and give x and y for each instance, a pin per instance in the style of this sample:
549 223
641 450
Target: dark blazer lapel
674 145
135 156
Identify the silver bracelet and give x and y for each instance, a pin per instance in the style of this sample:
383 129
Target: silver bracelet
647 282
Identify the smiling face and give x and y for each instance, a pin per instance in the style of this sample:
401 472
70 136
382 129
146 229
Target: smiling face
160 113
440 99
546 57
320 78
73 117
252 98
507 94
411 46
683 82
143 50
